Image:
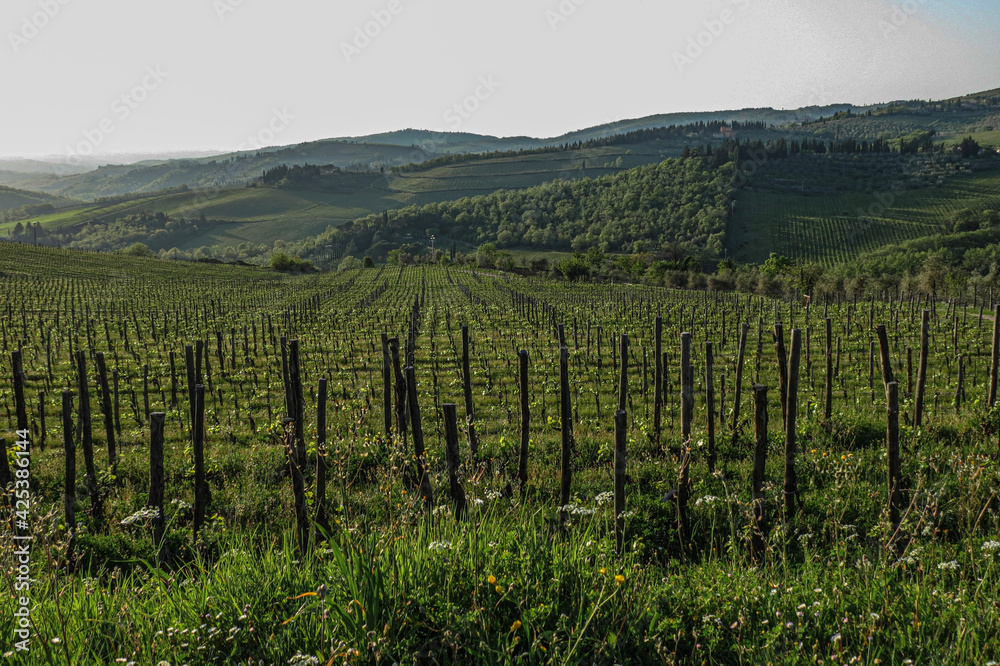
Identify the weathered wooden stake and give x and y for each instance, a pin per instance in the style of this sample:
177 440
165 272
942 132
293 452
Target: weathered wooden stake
106 409
897 501
620 453
453 458
198 442
156 483
710 404
322 522
470 414
994 356
922 369
791 485
779 347
86 437
687 414
522 461
658 382
566 425
69 483
758 543
424 482
386 386
744 329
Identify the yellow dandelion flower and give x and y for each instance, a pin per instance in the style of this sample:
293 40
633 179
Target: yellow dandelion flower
603 570
516 625
492 580
619 579
498 589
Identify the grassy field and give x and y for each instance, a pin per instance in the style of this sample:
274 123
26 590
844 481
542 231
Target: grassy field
834 229
529 575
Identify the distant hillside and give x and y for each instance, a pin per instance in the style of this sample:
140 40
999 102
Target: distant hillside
11 198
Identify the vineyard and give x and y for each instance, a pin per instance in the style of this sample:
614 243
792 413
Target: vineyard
439 465
834 229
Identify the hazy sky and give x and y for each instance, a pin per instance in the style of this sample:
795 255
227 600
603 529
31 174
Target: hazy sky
138 75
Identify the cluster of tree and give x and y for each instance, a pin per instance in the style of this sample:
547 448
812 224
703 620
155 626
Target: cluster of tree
26 211
683 202
640 136
287 263
292 176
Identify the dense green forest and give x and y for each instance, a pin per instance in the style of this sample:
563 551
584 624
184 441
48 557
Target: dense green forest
676 204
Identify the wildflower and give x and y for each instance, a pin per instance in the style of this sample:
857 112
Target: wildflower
516 625
492 580
991 545
603 571
498 589
949 566
605 497
619 579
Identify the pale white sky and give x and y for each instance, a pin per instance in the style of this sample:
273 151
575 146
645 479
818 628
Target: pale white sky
120 76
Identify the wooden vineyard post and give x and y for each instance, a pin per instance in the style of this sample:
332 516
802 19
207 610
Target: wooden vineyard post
470 414
86 437
189 371
198 444
423 481
454 460
19 403
400 391
960 390
297 402
106 409
710 400
922 370
298 487
322 522
744 329
69 484
828 386
687 414
566 426
658 382
994 357
791 485
522 460
758 541
620 453
779 347
114 397
156 486
386 386
897 502
883 343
